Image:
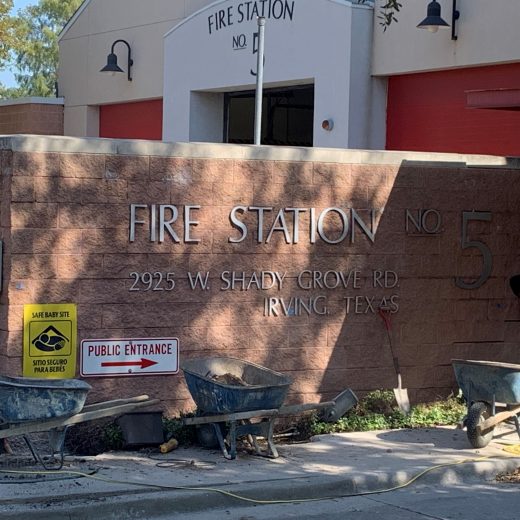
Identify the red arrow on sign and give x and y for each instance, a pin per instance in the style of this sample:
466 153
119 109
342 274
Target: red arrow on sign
143 363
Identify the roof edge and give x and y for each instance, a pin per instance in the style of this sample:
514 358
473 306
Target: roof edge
73 18
32 100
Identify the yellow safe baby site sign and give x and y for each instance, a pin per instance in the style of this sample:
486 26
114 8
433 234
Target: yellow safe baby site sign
50 341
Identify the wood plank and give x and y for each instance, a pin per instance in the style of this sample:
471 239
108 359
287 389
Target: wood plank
48 424
115 402
295 409
189 421
284 410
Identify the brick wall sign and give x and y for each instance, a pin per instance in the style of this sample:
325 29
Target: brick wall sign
283 257
123 357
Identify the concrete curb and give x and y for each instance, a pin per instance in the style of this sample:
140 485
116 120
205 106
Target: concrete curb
141 503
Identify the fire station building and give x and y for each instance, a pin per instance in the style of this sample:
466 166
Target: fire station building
192 76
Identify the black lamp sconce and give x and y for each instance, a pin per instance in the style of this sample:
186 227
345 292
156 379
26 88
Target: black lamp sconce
112 65
434 21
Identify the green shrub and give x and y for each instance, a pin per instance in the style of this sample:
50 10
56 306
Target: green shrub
450 411
173 427
93 437
378 401
112 437
378 410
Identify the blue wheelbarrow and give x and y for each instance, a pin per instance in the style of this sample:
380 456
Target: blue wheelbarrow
230 392
488 387
30 406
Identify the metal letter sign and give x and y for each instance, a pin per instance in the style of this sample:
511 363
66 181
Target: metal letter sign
49 341
129 357
487 256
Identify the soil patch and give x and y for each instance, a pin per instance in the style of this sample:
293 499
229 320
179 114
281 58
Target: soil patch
511 478
229 379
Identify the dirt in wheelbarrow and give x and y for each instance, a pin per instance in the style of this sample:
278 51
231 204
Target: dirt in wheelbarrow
228 379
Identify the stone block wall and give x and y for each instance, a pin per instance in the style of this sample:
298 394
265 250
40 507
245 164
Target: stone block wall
5 237
65 215
41 116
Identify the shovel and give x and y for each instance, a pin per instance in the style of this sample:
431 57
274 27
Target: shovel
401 394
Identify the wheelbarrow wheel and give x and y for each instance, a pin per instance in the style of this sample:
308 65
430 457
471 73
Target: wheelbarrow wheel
478 412
206 436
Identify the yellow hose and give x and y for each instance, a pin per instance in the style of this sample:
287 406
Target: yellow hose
243 498
515 449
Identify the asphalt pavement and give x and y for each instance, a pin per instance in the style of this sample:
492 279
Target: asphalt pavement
475 501
147 484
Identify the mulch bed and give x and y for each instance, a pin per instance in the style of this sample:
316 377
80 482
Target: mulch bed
511 478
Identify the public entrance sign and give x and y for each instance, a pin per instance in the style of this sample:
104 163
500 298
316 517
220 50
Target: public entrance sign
129 357
50 341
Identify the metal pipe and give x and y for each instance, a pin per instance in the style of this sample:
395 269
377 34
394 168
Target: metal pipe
130 60
454 17
259 80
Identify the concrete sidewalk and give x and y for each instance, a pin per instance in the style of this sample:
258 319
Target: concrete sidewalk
329 466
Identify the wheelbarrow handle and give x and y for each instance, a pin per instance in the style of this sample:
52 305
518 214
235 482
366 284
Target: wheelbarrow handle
294 409
492 421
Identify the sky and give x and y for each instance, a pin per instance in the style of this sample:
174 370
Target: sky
6 77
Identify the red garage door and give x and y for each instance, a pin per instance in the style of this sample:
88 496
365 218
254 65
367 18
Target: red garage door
428 112
140 120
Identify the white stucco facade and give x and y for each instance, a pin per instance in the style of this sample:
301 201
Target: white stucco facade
200 66
321 42
487 35
86 41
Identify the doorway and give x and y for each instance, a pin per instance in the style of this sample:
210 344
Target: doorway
287 116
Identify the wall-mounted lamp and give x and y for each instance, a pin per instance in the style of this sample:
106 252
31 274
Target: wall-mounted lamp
434 21
112 65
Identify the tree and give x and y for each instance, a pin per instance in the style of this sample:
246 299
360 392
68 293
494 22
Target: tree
388 10
34 51
387 14
6 29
